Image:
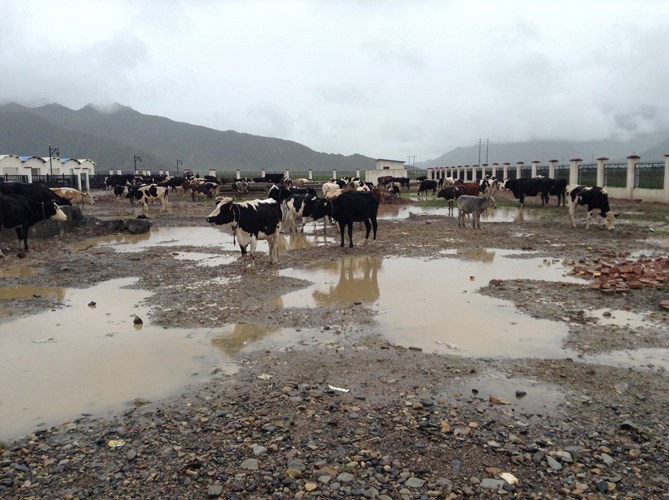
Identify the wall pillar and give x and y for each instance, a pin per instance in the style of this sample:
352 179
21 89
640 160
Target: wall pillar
519 169
311 175
495 166
574 163
666 178
334 173
535 165
631 171
238 174
505 171
551 168
475 169
601 165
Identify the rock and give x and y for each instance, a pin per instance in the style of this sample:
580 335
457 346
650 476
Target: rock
250 464
215 490
492 484
137 226
414 482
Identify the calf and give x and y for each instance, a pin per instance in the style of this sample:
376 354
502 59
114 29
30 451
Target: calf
21 213
149 194
349 207
596 198
74 196
251 221
475 205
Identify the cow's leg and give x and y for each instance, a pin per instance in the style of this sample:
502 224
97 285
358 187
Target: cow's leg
572 214
587 220
243 249
341 232
350 234
368 229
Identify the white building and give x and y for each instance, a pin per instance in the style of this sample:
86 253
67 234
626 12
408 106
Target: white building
396 168
30 166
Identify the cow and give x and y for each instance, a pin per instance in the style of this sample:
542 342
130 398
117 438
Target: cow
472 188
330 186
274 178
118 179
530 187
474 205
74 196
349 207
427 185
250 221
595 198
35 192
149 194
123 191
173 183
299 206
21 213
300 183
450 194
208 189
239 188
559 189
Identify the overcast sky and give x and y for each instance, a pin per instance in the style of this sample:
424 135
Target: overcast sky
384 78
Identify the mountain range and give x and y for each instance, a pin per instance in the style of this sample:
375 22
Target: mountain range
114 137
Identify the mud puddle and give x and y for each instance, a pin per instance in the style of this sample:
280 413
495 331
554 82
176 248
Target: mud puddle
433 304
500 214
91 357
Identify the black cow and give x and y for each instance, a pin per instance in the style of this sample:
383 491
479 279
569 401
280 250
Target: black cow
173 183
274 178
530 187
35 192
21 213
559 189
118 179
427 185
251 221
349 207
208 189
596 198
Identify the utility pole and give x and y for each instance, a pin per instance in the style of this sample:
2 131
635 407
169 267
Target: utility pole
487 143
52 151
479 162
135 159
179 162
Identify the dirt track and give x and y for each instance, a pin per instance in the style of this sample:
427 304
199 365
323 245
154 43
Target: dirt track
412 423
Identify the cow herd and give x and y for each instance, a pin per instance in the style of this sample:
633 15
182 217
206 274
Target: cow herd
287 206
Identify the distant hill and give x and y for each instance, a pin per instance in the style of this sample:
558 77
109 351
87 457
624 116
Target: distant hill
650 148
113 138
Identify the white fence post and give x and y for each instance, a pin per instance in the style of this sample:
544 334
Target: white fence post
573 170
601 165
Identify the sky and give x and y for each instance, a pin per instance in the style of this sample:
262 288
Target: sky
399 79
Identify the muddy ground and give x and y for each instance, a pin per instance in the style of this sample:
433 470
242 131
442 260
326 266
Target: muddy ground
402 430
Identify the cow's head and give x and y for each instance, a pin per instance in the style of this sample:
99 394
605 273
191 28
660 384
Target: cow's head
59 215
609 219
223 213
321 209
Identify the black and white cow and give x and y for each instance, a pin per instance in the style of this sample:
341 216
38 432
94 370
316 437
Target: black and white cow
530 187
298 207
350 207
251 221
450 194
21 213
595 198
474 205
149 194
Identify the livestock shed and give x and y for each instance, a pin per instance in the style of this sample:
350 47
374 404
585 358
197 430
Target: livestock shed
47 170
396 168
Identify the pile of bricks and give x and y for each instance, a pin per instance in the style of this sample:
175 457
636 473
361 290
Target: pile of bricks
610 276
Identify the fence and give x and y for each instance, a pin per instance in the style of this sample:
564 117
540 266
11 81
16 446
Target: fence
633 180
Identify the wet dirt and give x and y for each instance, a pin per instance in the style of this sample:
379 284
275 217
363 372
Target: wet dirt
578 390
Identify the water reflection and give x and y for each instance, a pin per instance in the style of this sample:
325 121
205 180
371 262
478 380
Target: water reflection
357 282
242 335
